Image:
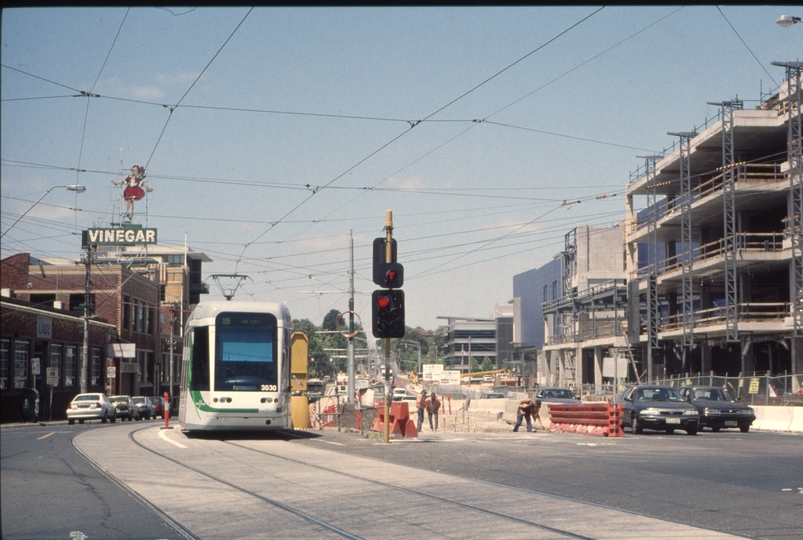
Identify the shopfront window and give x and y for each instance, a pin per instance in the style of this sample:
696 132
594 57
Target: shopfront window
70 359
5 354
21 358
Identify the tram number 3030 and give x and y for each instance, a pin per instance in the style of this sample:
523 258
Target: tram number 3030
269 388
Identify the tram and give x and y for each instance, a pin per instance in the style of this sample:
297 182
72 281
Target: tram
235 371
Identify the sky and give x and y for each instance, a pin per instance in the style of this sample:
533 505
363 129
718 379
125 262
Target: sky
273 138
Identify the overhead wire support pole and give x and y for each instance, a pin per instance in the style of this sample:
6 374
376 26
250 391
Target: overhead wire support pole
686 257
388 259
794 142
351 384
653 313
729 219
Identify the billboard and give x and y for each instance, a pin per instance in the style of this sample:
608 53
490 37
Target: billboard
128 236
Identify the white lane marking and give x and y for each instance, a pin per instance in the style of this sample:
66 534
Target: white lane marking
45 436
163 436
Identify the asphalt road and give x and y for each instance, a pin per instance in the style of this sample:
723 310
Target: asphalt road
49 491
748 484
743 484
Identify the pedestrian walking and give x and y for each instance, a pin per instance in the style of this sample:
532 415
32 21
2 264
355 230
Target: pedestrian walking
527 409
433 404
420 405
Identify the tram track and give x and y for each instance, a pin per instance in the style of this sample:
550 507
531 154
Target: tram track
419 493
555 532
214 482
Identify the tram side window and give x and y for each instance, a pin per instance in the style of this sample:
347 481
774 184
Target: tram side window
200 359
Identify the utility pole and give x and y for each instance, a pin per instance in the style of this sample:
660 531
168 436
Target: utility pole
87 300
388 259
351 384
170 351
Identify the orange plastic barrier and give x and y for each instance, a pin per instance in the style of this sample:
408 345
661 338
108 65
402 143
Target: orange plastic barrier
399 419
598 419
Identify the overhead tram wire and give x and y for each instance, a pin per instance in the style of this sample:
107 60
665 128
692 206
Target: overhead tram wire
747 47
174 107
426 118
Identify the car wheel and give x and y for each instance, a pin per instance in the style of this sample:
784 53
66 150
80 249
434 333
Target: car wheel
715 428
634 427
744 429
71 422
80 421
670 431
103 420
114 418
691 431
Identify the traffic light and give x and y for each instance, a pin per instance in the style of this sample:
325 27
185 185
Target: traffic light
387 274
387 311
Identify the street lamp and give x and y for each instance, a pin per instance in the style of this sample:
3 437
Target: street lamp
72 187
787 20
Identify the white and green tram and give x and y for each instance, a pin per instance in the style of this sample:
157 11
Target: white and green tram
235 372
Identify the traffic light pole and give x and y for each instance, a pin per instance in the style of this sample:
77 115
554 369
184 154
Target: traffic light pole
388 259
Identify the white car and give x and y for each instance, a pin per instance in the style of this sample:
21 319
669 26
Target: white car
398 394
91 407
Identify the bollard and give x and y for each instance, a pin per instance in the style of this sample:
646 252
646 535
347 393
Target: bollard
449 401
166 411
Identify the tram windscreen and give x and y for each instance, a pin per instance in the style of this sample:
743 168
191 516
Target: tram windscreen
246 352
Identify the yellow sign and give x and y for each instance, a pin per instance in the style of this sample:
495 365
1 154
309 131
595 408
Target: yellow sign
753 386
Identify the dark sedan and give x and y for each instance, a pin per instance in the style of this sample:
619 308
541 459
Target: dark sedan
717 408
126 408
556 395
659 408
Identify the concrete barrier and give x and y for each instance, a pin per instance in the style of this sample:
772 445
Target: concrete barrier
778 418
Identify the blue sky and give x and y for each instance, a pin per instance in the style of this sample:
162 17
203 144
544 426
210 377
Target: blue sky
292 128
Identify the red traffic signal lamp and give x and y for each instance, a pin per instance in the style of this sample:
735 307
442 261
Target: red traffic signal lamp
387 313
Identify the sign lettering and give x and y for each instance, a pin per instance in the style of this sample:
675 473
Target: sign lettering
118 237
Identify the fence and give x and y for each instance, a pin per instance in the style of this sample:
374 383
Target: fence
755 389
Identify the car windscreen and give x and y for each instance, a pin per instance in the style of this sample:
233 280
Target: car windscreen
87 397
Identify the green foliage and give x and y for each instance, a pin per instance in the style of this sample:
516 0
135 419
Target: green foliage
506 365
473 365
330 319
487 365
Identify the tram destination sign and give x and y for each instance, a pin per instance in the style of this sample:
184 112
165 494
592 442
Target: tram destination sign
127 236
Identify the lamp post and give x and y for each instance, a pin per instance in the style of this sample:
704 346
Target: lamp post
72 187
787 20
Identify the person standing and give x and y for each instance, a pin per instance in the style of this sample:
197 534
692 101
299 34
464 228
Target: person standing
528 408
420 405
433 404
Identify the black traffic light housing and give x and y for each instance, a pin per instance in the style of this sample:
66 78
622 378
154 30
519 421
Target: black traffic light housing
387 313
387 274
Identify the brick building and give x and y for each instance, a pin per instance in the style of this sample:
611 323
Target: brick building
120 296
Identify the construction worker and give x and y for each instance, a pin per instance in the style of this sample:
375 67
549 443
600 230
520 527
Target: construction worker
528 408
420 404
433 404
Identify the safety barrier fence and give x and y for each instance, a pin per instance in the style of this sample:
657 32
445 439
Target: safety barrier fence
398 419
598 419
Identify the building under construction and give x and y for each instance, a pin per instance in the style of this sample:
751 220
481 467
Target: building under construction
712 278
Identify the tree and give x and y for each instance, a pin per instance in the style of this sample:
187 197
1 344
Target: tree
330 319
487 365
473 365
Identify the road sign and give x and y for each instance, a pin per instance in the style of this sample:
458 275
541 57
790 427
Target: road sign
52 376
111 372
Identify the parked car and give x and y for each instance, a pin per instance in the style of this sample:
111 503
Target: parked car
146 407
91 407
158 403
659 408
488 378
492 395
556 395
398 394
126 408
717 408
